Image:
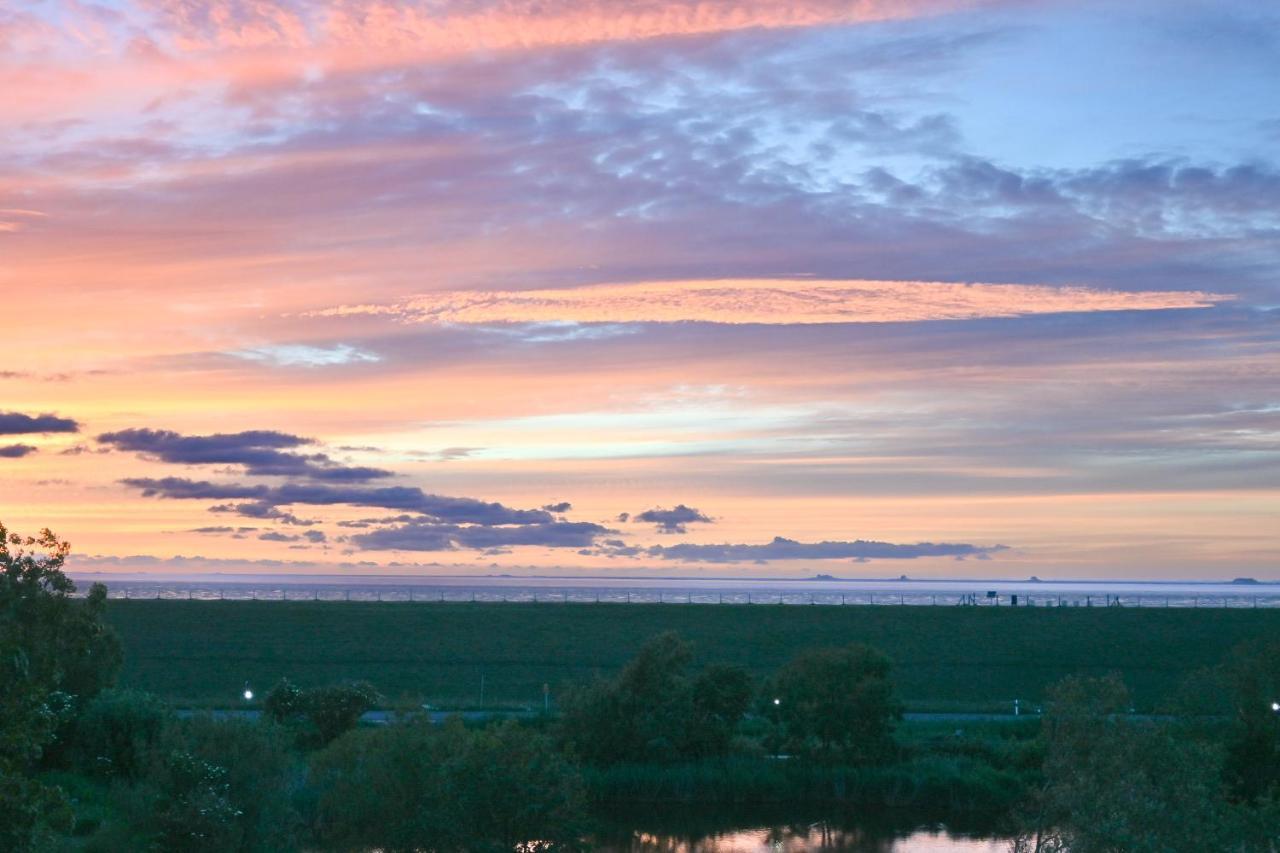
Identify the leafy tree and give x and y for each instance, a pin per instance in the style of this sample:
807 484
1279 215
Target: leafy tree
721 695
1114 784
1252 676
417 787
656 710
55 653
837 702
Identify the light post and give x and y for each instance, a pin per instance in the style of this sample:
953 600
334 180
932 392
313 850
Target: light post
248 692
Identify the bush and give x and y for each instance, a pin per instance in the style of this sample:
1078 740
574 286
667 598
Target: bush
195 812
321 714
116 732
224 784
414 787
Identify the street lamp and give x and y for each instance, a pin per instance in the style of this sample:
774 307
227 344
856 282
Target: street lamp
248 693
1275 707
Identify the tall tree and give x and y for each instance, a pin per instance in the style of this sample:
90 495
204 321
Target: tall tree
837 702
55 654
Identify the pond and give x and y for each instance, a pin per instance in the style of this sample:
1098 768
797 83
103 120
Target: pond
741 830
800 839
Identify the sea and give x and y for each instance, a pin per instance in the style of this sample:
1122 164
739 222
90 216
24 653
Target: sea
821 590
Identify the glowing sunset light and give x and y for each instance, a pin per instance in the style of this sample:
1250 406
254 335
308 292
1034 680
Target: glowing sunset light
947 288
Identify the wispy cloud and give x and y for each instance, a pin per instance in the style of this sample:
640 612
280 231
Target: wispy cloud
772 301
301 355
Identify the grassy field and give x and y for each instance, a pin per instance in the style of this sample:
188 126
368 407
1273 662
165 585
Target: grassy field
946 658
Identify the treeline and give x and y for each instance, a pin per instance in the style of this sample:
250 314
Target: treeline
87 767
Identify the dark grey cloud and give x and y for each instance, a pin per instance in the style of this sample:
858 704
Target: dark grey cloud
563 506
222 529
16 423
81 449
432 536
181 488
16 451
264 511
672 520
407 498
790 549
261 452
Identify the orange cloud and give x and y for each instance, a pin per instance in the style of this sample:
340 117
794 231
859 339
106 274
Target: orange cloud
422 28
773 301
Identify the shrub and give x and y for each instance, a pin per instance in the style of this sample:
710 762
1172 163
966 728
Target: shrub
321 714
116 732
222 784
415 787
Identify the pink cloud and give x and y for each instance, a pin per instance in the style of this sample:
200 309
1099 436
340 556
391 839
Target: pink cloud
773 301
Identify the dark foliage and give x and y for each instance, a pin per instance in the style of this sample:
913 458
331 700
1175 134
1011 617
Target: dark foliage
415 787
320 714
55 654
656 710
836 703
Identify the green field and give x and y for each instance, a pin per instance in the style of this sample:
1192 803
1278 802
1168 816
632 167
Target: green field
201 653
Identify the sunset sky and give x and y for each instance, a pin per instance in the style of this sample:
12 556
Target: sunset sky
942 288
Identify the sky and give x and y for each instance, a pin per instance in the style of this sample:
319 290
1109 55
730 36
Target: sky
942 288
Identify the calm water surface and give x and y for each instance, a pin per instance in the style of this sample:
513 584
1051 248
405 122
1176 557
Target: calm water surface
808 838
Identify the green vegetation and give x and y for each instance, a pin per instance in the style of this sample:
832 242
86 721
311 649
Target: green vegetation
84 767
55 656
1113 782
319 715
656 709
944 658
419 787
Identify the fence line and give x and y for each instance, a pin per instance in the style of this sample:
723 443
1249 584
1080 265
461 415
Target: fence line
613 595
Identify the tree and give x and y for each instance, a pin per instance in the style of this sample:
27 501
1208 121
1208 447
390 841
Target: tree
656 710
837 702
1252 676
721 696
1114 784
55 654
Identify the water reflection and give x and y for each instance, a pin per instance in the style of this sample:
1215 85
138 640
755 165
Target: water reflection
804 838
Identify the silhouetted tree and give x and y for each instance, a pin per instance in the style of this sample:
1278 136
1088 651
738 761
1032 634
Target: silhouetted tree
837 702
55 653
656 710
